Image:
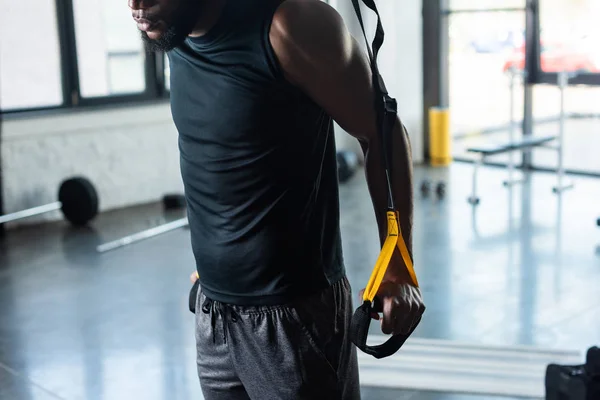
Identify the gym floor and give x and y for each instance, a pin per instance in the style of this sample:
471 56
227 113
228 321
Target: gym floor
521 268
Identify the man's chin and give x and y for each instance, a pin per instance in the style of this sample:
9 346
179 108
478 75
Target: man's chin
153 35
157 41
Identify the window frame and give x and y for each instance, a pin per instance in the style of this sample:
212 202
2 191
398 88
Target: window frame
436 71
539 76
154 76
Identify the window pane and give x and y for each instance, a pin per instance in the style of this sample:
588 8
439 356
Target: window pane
485 4
29 58
570 36
480 95
110 51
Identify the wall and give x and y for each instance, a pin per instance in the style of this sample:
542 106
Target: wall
400 61
129 153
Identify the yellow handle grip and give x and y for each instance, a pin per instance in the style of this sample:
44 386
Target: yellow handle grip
393 239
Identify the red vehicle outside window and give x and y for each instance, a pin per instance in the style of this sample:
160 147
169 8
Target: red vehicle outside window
556 58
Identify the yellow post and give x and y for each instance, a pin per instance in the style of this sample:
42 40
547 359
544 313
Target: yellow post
440 142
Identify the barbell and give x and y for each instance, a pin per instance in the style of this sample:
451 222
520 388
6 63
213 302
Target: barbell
143 235
77 200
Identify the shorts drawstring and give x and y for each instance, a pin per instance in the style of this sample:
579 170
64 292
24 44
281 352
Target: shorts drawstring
218 309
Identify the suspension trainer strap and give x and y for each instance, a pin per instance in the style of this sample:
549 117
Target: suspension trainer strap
385 106
386 112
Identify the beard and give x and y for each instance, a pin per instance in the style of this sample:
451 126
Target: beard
180 26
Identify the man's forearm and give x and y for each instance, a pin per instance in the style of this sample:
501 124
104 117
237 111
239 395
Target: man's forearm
402 187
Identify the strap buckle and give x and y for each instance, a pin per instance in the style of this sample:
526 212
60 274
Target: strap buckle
390 105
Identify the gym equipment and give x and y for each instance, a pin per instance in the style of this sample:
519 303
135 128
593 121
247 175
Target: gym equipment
143 235
174 201
77 199
425 188
525 143
440 189
563 83
575 382
347 164
440 138
387 109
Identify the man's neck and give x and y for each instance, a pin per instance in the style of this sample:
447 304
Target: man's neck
211 11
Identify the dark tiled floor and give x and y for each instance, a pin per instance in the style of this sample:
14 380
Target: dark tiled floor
74 324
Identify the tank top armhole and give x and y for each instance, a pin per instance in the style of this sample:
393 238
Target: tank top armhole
271 57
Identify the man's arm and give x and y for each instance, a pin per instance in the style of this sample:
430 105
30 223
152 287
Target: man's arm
318 55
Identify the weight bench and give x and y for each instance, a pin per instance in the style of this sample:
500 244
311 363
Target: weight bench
495 149
525 143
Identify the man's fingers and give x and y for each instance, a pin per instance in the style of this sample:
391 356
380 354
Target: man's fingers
398 317
402 309
413 316
194 276
390 315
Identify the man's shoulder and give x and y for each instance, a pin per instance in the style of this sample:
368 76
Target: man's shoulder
307 35
300 20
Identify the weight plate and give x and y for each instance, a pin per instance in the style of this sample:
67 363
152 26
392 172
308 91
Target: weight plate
174 201
79 200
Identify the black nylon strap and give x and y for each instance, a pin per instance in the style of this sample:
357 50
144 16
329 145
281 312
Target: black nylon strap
359 332
386 111
385 106
373 50
193 295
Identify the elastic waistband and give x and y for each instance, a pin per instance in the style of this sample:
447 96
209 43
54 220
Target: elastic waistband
259 304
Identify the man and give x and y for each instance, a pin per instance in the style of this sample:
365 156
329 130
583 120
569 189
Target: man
255 86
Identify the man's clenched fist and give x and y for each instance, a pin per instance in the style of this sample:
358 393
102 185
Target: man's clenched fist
402 307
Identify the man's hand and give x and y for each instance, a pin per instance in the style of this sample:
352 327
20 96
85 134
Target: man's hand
401 299
402 307
194 277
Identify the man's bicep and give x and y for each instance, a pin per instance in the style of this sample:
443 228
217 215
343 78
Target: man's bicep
348 96
318 54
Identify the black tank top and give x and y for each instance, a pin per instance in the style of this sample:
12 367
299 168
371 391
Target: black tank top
258 165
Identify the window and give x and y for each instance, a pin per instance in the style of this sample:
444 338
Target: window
110 52
482 45
568 41
30 72
74 53
569 36
457 5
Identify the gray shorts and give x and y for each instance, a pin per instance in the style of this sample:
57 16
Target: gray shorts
289 352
